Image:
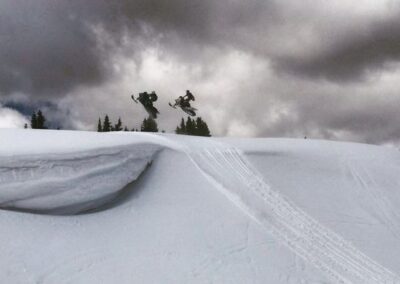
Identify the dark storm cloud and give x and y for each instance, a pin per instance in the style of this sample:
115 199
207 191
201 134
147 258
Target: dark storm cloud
27 108
44 49
50 46
255 63
367 48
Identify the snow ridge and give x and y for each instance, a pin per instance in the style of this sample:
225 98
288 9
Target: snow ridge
243 185
71 182
65 184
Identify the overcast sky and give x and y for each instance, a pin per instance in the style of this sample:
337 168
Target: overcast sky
284 68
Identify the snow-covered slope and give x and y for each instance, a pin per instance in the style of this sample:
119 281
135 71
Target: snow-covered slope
139 208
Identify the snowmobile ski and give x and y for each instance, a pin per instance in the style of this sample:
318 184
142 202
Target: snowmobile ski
189 110
133 98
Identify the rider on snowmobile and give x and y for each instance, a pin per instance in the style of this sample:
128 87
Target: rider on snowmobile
147 99
184 103
185 100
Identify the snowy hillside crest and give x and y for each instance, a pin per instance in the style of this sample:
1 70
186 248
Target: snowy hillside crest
71 181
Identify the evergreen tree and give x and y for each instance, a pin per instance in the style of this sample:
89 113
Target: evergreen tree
196 127
126 128
99 126
190 126
41 120
149 125
143 127
182 128
34 121
202 128
106 124
118 126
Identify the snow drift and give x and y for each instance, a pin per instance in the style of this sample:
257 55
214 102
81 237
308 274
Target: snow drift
61 177
70 183
69 172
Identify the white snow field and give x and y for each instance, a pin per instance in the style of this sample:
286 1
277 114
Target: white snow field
129 207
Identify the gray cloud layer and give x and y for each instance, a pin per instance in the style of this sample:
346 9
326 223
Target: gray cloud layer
353 55
280 68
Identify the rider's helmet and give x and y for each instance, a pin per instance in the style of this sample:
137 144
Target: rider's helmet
189 95
153 96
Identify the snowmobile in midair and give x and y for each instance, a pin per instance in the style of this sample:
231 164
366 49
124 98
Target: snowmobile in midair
184 103
147 100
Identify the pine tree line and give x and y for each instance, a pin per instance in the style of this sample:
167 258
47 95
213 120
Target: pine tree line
148 125
107 125
196 127
38 121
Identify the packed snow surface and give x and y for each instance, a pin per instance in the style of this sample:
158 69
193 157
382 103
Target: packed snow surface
79 207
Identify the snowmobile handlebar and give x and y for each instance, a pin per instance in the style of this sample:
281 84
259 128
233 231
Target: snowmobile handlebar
189 97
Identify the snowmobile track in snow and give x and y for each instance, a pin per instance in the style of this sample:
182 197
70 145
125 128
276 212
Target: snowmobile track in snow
244 186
